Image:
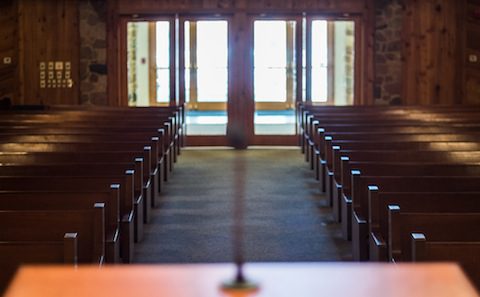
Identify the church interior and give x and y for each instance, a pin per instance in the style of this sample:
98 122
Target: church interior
240 148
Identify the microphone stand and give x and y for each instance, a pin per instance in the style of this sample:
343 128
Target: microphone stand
240 283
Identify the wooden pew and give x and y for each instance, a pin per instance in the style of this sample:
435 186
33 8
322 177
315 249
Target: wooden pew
79 184
117 170
327 134
93 135
117 126
388 137
398 168
439 202
457 227
13 254
389 124
391 156
105 147
334 158
464 253
360 185
62 200
48 226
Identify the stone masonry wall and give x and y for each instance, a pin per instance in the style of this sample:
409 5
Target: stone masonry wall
388 51
93 52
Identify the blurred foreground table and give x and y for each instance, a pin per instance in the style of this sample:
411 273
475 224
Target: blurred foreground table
275 280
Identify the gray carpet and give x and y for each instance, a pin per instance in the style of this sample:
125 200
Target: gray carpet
286 218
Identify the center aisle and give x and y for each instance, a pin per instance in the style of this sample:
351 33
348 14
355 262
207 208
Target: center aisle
286 217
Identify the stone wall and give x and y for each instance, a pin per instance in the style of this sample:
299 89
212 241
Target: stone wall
93 52
388 51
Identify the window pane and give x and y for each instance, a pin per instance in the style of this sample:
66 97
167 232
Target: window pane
212 84
319 61
212 61
212 44
270 38
270 84
270 61
163 44
163 61
163 85
320 85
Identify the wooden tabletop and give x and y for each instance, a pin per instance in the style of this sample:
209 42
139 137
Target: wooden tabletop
275 279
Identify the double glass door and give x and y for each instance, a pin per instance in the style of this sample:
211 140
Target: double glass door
250 80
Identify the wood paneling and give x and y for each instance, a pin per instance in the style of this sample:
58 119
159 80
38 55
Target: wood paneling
431 49
470 60
49 32
156 6
8 48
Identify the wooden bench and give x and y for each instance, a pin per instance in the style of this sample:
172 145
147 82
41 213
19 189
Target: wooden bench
387 137
93 147
334 158
118 126
48 226
360 186
117 170
81 199
457 227
79 184
391 156
439 202
464 253
342 176
13 254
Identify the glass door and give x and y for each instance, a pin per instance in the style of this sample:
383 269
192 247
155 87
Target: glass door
330 61
206 76
275 55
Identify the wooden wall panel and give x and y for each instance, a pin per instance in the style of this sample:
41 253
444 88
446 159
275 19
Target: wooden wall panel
471 52
431 50
8 49
50 33
165 6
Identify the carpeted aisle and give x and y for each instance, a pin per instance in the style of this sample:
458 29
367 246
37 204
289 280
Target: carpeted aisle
286 218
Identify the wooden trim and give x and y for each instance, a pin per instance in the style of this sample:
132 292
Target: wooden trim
290 46
193 64
173 94
204 140
290 140
331 62
308 66
208 106
181 59
21 53
299 60
113 54
152 63
287 140
122 62
367 53
273 105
